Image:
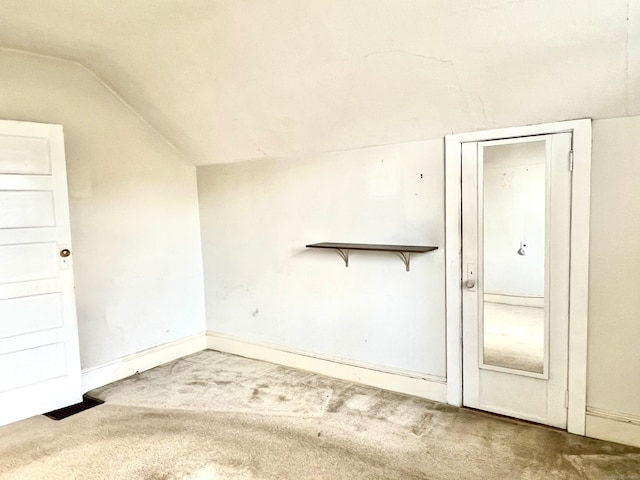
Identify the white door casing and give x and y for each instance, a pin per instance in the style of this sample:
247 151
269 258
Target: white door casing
544 203
39 352
578 264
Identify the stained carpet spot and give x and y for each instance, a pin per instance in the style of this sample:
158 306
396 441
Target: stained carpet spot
87 403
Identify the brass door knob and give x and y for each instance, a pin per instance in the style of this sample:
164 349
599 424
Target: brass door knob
64 253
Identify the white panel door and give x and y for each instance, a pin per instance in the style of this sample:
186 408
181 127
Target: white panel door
516 213
39 354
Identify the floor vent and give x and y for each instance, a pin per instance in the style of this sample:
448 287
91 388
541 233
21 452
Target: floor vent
87 403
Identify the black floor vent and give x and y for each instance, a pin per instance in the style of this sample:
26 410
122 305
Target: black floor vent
87 403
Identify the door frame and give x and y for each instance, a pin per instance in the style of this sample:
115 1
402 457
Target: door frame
578 265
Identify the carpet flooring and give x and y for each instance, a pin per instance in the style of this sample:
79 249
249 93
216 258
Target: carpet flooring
216 416
514 337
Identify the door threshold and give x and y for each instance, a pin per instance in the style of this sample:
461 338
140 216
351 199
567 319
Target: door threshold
513 419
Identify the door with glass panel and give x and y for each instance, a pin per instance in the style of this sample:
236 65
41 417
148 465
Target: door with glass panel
516 196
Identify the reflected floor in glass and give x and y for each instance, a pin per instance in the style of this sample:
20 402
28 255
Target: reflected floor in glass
514 337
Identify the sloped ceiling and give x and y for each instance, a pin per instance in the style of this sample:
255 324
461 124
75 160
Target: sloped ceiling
231 80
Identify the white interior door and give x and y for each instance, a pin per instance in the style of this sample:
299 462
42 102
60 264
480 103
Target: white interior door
39 355
516 213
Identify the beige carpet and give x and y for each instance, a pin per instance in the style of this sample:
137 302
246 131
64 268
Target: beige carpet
215 416
514 336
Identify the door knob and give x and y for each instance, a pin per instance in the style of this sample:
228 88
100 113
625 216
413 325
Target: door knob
470 283
64 253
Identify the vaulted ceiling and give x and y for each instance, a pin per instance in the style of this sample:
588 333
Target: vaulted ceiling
228 80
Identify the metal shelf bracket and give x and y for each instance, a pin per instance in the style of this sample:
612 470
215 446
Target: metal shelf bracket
345 255
404 251
406 258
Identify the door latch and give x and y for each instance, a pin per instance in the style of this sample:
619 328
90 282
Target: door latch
470 282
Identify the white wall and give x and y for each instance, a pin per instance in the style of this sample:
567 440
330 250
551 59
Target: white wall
134 216
262 284
614 290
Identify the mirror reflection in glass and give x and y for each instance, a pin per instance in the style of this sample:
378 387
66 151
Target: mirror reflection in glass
514 256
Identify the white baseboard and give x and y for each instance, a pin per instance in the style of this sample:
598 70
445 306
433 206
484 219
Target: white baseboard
518 300
411 383
602 424
109 372
613 426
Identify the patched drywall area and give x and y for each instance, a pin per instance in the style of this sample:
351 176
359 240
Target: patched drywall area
263 285
134 214
614 299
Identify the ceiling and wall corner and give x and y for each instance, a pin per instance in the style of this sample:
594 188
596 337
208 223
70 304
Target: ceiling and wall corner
230 81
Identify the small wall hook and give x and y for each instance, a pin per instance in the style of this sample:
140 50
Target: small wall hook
523 249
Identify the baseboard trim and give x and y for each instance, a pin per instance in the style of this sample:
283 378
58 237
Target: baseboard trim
114 370
600 423
613 426
412 383
518 300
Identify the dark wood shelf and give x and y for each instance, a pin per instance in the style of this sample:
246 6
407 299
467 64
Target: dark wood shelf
405 251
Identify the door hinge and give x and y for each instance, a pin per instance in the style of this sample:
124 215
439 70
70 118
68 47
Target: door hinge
566 399
571 161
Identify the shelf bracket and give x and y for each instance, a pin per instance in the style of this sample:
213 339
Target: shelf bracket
404 251
406 258
345 255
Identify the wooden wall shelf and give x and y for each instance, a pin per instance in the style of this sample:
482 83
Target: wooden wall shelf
404 251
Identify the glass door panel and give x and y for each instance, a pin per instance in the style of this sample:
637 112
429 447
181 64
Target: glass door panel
513 199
